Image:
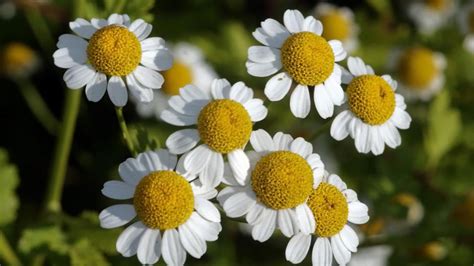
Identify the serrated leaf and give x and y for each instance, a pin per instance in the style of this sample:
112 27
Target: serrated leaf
444 126
8 183
83 253
51 238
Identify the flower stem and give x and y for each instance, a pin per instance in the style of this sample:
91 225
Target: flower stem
6 251
40 29
62 150
125 133
37 106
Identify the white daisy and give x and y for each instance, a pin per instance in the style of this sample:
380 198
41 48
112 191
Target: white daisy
466 24
420 72
112 55
283 173
373 111
189 67
224 117
332 205
174 216
306 58
338 24
430 15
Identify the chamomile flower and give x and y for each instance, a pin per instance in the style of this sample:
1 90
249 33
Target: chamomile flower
306 58
112 55
283 173
373 112
338 24
189 67
466 24
224 117
18 60
174 216
429 15
332 206
420 72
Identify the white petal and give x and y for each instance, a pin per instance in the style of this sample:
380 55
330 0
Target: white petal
263 54
116 19
118 190
78 76
275 41
312 25
220 89
172 250
213 171
361 136
208 231
358 213
349 238
378 143
276 32
127 242
391 135
153 43
356 66
148 77
188 108
350 195
278 86
261 141
197 159
341 254
336 181
297 248
323 101
96 88
393 83
401 119
140 28
132 171
116 215
286 222
300 103
82 28
293 20
254 214
305 219
207 209
239 204
158 60
339 127
149 247
333 86
192 93
72 42
191 241
117 91
256 109
66 58
322 252
266 226
99 23
177 119
182 141
301 147
262 69
240 165
282 141
338 50
240 93
142 93
159 160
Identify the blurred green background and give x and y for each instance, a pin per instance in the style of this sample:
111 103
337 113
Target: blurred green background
421 195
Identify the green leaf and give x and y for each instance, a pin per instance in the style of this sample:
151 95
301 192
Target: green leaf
83 253
51 238
145 137
9 180
444 126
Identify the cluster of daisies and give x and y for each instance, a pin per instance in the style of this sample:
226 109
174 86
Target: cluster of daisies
277 182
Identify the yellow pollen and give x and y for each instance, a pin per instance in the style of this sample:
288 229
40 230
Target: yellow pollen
114 51
437 4
16 58
282 180
224 125
417 68
163 200
336 26
308 58
371 99
176 77
330 209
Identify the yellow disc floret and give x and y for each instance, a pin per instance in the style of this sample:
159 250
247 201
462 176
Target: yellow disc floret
330 209
417 67
336 26
17 59
224 125
163 200
371 99
282 180
176 77
308 58
437 4
114 51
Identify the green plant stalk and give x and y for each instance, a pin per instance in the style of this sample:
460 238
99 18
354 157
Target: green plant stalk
40 29
6 251
62 151
125 133
37 106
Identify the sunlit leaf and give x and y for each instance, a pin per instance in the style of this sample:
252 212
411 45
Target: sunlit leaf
50 238
9 180
83 253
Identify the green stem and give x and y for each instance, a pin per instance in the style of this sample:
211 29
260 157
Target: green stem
62 150
37 106
321 130
125 133
6 251
40 29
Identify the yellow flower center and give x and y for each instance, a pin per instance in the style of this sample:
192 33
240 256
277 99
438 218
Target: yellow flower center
330 209
437 4
417 68
282 180
224 125
308 58
176 77
163 200
114 51
17 57
371 99
336 26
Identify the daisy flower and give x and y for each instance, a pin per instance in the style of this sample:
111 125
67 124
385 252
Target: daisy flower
338 24
224 117
283 173
332 206
306 58
373 112
174 216
112 55
429 15
18 60
466 24
189 67
420 72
